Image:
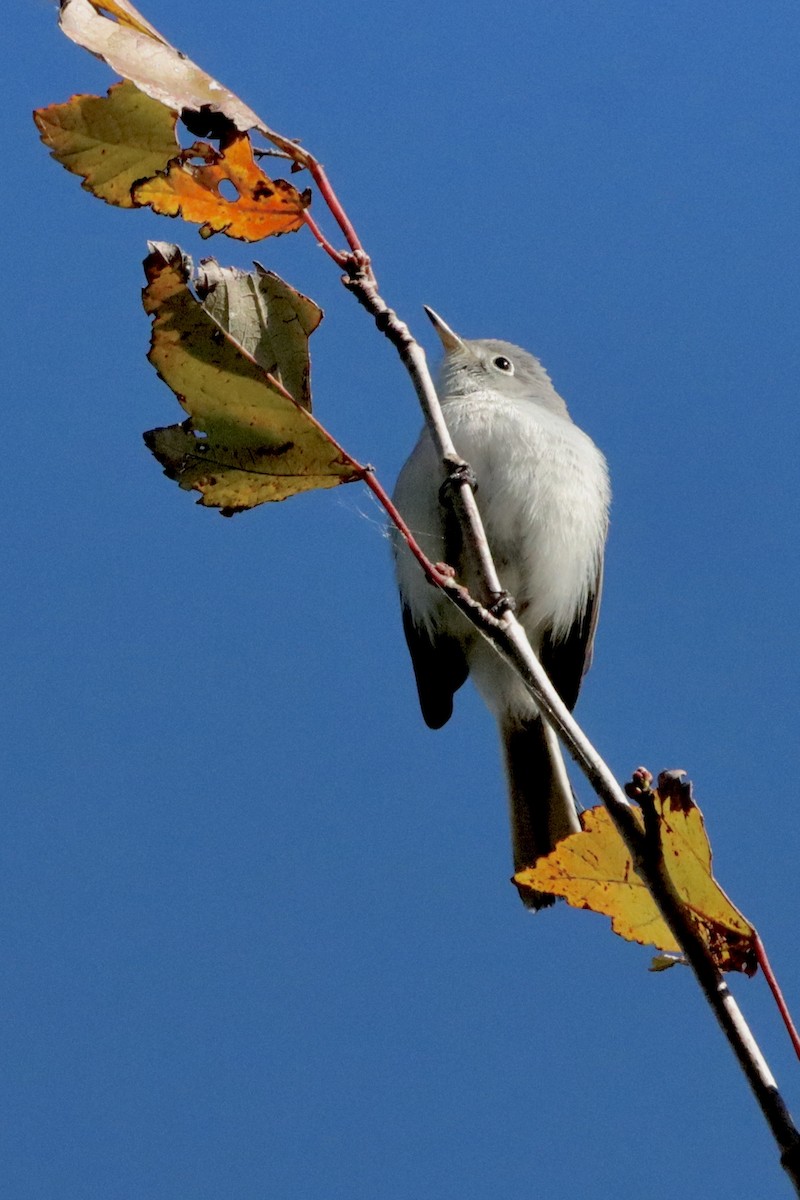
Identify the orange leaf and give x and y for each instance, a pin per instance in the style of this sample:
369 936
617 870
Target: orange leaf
263 207
593 869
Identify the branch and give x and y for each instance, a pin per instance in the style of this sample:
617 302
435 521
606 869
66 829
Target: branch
510 641
360 280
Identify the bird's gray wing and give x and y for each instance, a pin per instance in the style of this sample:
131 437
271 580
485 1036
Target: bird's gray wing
567 661
440 668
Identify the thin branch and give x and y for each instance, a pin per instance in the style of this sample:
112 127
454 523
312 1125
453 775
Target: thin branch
774 987
338 256
433 571
360 280
320 177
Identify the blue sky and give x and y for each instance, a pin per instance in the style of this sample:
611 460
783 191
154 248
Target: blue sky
258 936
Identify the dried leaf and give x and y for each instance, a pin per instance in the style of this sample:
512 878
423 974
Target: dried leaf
111 141
593 869
245 442
687 853
126 14
262 208
134 49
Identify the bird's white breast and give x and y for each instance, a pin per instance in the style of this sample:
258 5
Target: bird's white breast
543 494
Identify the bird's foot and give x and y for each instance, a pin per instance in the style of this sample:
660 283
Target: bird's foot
503 602
458 474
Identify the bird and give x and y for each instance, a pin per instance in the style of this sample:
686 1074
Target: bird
543 492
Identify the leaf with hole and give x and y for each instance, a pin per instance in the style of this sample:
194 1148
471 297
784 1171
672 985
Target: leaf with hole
260 208
246 440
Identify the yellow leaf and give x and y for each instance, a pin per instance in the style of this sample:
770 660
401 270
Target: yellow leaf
594 870
262 208
687 855
246 441
665 962
111 141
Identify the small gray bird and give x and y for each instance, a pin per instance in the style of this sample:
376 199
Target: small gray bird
543 494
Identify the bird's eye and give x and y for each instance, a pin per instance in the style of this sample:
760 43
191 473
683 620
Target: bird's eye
503 365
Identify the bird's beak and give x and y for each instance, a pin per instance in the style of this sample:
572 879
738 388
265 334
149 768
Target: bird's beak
450 340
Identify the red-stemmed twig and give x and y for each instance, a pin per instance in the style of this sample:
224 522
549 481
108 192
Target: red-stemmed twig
769 975
434 572
338 213
338 256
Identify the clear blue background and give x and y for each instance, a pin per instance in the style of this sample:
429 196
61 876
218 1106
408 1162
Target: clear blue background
258 938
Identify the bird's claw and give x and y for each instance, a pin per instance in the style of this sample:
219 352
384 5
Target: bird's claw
458 474
503 602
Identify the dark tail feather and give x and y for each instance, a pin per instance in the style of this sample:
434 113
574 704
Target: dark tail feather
542 803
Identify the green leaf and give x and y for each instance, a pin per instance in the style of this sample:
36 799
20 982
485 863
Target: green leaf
111 141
